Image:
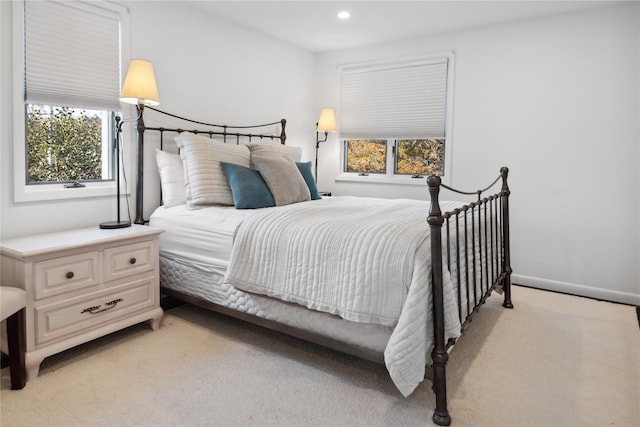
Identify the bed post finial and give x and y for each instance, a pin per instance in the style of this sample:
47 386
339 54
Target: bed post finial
439 355
434 181
504 195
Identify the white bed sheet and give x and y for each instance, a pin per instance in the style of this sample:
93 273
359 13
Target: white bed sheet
200 237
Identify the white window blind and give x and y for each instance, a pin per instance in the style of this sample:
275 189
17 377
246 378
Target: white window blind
401 100
72 54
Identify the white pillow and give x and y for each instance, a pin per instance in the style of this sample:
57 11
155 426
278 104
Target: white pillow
174 190
205 180
273 148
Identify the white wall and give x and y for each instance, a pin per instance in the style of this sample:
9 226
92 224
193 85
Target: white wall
205 69
557 100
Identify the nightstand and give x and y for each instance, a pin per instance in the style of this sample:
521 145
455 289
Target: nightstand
82 284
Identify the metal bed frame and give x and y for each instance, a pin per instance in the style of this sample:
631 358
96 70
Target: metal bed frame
485 220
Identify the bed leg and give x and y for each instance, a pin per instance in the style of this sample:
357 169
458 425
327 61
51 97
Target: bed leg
506 282
441 414
506 285
439 355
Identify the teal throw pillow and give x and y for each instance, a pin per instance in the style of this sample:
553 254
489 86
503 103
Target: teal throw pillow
248 188
305 170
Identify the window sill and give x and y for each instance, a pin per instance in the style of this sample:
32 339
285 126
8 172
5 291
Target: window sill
37 193
381 179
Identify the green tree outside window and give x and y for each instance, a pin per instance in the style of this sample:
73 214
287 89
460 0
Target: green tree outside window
63 144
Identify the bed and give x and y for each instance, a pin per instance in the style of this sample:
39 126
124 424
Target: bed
391 281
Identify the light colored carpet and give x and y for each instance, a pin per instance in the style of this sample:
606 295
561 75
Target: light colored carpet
555 360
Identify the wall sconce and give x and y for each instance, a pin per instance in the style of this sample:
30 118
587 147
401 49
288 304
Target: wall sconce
139 88
326 123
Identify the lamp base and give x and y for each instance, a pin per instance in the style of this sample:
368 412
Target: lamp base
115 224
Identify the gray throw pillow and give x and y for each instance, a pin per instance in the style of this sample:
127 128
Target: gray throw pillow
283 179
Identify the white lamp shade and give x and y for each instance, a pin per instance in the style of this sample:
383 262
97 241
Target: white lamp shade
140 84
327 121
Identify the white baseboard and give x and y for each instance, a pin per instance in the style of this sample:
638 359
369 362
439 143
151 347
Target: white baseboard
575 289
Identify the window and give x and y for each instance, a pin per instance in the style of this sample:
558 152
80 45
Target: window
69 86
67 144
419 157
394 117
366 156
414 157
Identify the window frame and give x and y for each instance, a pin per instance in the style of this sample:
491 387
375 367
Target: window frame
24 192
391 177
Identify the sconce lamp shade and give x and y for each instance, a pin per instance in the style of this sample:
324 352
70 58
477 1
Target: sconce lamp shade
140 84
327 121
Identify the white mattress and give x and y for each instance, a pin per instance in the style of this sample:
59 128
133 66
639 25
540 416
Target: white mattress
202 237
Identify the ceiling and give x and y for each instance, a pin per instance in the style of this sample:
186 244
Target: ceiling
314 25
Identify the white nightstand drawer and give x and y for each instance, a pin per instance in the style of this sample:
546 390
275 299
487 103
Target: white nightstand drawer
123 261
72 317
65 274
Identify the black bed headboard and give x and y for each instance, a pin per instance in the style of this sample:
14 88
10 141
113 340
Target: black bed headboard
229 134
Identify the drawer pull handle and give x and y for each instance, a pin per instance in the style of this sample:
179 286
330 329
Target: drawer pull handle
96 308
132 261
70 275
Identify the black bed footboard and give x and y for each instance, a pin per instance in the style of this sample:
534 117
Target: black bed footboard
475 252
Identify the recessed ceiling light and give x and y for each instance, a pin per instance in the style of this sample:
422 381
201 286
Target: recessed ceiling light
344 15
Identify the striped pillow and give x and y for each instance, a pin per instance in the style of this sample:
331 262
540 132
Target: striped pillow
205 180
